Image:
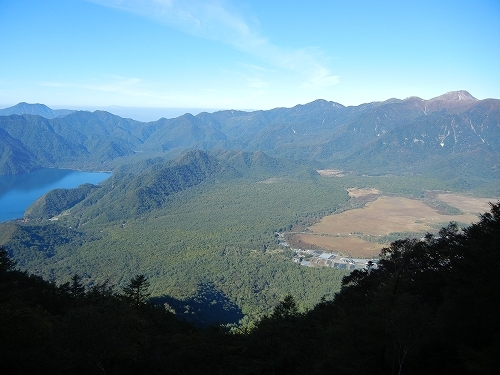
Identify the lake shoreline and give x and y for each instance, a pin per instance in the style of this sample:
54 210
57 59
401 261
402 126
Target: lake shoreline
18 192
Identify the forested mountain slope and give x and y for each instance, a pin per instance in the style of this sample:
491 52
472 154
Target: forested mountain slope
467 141
142 187
431 306
15 157
197 200
200 218
454 132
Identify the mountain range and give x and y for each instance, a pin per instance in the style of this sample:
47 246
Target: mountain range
199 199
452 134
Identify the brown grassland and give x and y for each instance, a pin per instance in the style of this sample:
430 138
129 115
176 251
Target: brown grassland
347 232
467 203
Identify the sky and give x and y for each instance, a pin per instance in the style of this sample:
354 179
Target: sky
242 54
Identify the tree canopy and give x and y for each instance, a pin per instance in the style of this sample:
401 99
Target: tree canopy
429 306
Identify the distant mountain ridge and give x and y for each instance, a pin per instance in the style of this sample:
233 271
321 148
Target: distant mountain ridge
454 132
34 109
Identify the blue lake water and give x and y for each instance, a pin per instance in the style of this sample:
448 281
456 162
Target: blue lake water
18 192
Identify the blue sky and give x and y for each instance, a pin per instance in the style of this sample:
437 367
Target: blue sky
235 54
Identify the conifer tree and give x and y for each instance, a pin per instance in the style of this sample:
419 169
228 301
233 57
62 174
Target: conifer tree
137 291
76 288
6 264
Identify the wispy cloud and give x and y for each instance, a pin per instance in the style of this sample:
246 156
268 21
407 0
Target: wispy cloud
117 84
218 20
109 84
254 76
126 91
128 86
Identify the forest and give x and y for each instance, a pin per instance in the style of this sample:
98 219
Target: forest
208 222
431 306
172 265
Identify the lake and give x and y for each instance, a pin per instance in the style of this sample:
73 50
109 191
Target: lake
18 192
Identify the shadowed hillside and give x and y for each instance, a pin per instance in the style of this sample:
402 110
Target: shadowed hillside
429 306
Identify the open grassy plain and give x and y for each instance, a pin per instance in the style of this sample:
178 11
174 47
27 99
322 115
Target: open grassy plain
363 232
466 203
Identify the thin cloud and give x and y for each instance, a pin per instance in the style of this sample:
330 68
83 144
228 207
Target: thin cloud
254 76
54 84
127 89
216 20
117 84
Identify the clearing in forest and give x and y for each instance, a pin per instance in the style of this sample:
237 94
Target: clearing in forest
355 232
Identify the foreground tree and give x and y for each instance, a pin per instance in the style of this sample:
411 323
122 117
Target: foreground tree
6 264
137 291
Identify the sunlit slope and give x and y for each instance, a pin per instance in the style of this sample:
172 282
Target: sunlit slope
207 219
453 135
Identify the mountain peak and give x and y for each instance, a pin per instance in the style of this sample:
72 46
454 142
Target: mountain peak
461 95
29 109
24 108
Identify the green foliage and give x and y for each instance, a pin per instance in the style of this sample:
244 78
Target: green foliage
214 231
40 241
46 328
429 307
220 230
76 288
6 263
392 237
209 219
285 309
15 158
58 200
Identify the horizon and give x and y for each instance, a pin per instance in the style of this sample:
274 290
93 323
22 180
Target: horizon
83 107
218 54
154 113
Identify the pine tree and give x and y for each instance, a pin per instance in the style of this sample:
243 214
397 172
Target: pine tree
76 288
6 264
137 291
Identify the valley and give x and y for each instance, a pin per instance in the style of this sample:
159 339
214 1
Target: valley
201 202
229 187
223 233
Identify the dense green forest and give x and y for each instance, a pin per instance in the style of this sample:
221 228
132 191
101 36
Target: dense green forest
214 232
429 306
204 219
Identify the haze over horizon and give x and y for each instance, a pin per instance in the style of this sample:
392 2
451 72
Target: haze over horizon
234 54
